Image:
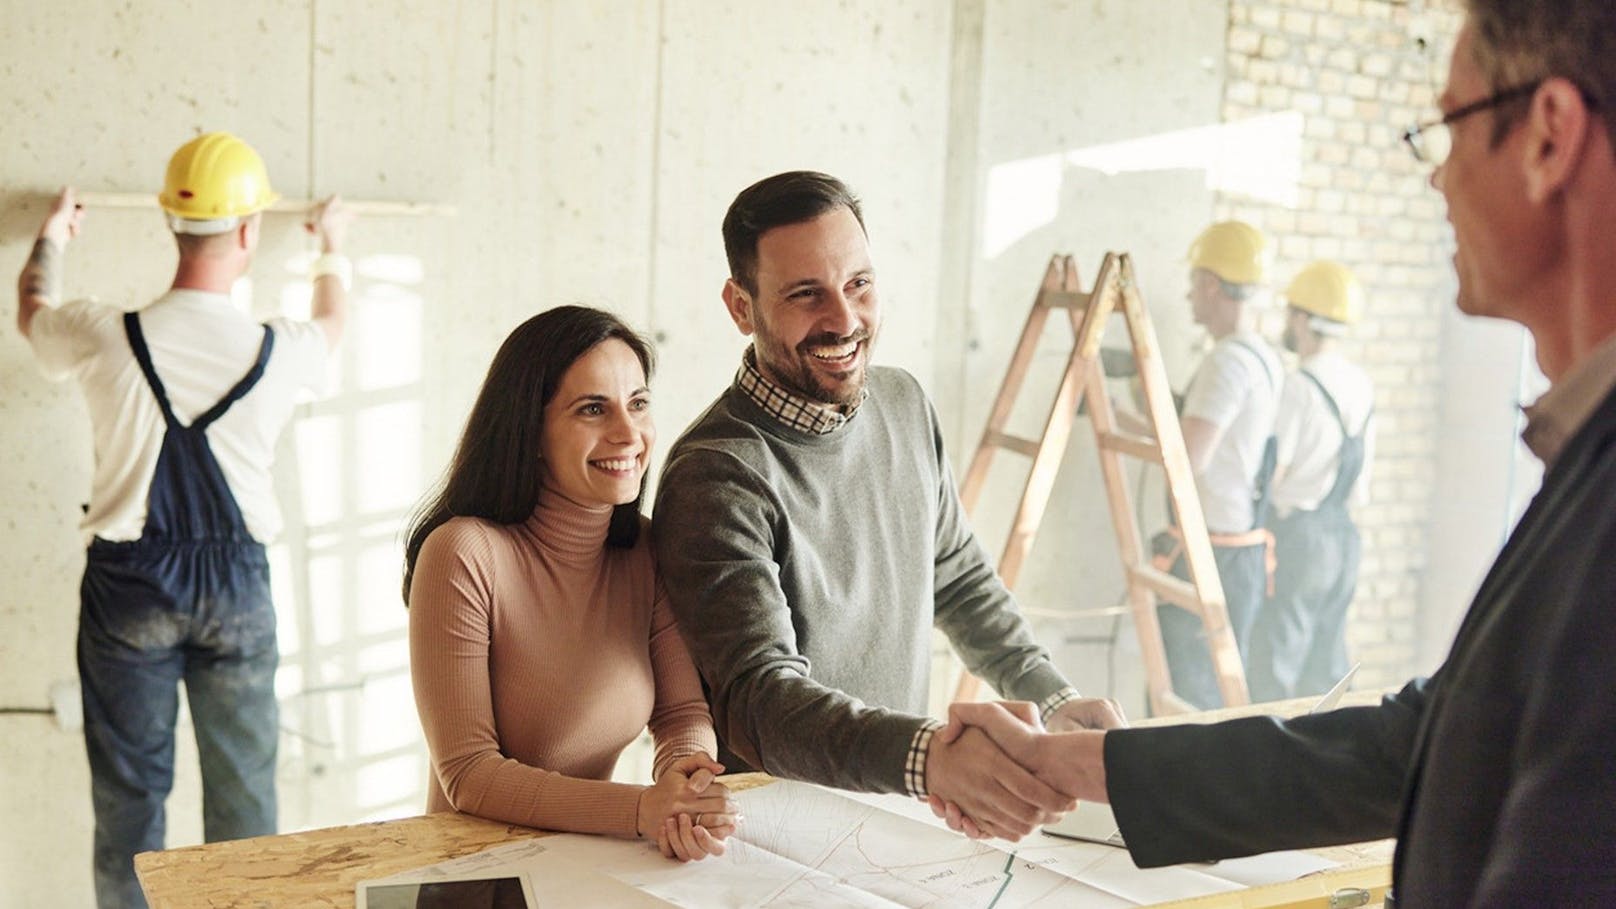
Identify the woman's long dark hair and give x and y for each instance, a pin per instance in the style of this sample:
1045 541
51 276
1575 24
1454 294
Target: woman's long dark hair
495 474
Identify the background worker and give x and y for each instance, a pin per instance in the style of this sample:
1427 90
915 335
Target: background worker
1227 421
186 399
1325 440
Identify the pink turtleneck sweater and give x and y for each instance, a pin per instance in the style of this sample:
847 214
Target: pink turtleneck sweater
537 655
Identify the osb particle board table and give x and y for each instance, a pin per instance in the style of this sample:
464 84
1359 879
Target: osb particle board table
319 868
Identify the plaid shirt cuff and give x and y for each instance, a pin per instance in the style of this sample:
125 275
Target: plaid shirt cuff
914 766
1048 706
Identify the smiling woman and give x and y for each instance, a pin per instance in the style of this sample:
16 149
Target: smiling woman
540 639
597 431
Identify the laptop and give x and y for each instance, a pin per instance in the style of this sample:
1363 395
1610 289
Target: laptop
1093 821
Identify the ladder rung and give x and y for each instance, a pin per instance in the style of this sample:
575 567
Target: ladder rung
1141 447
1114 292
1028 447
1063 299
1174 590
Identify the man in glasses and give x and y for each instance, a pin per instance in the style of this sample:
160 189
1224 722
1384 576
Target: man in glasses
1498 774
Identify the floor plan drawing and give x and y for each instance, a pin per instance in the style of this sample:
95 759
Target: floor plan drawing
801 846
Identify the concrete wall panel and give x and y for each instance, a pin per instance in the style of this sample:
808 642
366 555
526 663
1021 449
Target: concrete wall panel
753 89
1063 86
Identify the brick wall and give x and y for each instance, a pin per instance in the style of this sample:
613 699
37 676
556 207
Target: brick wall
1355 72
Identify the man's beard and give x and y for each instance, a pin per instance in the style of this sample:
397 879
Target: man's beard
795 370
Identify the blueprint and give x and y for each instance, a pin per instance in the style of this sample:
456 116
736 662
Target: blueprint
804 846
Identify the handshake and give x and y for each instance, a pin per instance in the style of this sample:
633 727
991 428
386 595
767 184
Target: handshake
994 771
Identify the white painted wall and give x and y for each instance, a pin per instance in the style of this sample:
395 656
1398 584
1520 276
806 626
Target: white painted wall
1058 84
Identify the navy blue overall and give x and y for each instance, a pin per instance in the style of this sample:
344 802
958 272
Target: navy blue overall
187 601
1243 571
1300 648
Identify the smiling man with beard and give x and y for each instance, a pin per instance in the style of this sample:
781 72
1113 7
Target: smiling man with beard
810 536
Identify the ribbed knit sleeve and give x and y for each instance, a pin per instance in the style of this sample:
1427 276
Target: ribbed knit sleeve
451 628
680 723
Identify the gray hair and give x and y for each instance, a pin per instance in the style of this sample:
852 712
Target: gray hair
1517 41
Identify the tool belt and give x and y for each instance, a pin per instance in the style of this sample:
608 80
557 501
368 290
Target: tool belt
1168 546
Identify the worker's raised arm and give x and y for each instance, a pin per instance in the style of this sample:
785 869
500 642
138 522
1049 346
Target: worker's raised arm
40 283
332 273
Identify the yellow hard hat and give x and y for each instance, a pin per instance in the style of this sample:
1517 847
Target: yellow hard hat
1327 290
212 181
1233 250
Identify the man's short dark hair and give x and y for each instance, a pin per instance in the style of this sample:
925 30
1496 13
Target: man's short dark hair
789 198
1517 41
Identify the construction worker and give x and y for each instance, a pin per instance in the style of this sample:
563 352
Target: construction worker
1324 439
1227 420
186 398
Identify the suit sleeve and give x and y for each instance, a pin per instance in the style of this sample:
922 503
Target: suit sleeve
1556 832
1195 793
715 534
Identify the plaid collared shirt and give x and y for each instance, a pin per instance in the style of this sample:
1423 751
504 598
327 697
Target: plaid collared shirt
914 763
791 410
1048 706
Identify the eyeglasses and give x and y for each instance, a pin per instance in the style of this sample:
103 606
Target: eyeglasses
1430 142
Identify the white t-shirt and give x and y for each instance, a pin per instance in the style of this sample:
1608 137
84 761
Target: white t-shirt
1310 437
1237 390
201 346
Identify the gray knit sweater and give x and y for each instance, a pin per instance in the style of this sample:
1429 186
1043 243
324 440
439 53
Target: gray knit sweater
806 572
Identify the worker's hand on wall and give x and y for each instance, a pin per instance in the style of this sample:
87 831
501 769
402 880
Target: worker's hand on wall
65 219
329 221
1087 713
969 771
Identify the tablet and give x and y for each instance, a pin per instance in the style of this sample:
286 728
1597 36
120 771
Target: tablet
485 890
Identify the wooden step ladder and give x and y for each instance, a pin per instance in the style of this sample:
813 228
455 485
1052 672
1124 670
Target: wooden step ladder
1115 292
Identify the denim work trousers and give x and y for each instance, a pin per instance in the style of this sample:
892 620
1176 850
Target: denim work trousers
141 634
1244 572
188 601
1299 647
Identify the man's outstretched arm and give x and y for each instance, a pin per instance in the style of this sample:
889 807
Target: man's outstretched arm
333 273
723 583
40 284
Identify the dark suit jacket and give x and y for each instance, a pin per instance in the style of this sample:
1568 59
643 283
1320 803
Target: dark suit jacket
1498 775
